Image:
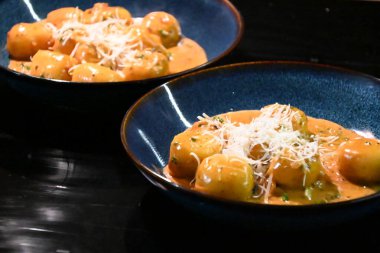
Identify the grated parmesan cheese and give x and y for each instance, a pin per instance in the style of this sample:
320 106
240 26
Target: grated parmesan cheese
117 44
273 131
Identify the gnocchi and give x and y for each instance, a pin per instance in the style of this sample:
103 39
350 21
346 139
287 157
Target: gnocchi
277 155
51 65
359 161
135 48
225 176
25 39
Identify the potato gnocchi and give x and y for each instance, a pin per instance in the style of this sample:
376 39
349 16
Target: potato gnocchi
102 44
276 155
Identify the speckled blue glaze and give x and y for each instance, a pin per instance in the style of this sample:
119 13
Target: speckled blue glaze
216 25
348 98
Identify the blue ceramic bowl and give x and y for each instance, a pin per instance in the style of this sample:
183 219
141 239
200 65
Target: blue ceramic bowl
348 98
216 25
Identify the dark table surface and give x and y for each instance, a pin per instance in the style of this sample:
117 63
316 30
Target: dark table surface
66 184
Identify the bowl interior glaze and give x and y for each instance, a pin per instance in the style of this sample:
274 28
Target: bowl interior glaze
216 25
348 98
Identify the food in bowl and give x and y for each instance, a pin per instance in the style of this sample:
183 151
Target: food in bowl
102 44
275 155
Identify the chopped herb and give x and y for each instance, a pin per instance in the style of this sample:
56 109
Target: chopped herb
218 119
164 33
174 160
334 196
319 184
285 197
26 67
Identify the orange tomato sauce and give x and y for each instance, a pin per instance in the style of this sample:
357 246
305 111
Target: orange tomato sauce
341 188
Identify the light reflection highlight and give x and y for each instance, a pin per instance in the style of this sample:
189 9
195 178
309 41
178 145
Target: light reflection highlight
365 133
31 10
61 187
51 214
152 147
37 229
176 108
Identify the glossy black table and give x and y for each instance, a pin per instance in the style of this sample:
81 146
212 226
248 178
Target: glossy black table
66 184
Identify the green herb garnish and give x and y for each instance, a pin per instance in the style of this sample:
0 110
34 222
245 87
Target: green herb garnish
217 118
164 33
285 197
174 160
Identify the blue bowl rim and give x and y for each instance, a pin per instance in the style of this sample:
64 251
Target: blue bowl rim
239 21
146 171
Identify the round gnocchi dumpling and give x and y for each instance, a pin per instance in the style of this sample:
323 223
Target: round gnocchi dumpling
359 161
163 25
25 39
64 47
51 65
148 64
187 151
102 11
296 175
59 16
225 176
298 117
91 72
86 54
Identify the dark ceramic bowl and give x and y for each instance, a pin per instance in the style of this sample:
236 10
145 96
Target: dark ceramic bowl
216 25
348 98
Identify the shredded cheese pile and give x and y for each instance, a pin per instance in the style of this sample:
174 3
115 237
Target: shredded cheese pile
116 43
276 135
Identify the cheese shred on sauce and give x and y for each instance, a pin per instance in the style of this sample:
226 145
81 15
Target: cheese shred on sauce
287 157
116 43
274 133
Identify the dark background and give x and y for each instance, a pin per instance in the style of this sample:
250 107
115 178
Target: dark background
66 184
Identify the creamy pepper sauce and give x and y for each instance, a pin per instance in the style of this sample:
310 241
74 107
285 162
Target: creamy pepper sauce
336 187
186 55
